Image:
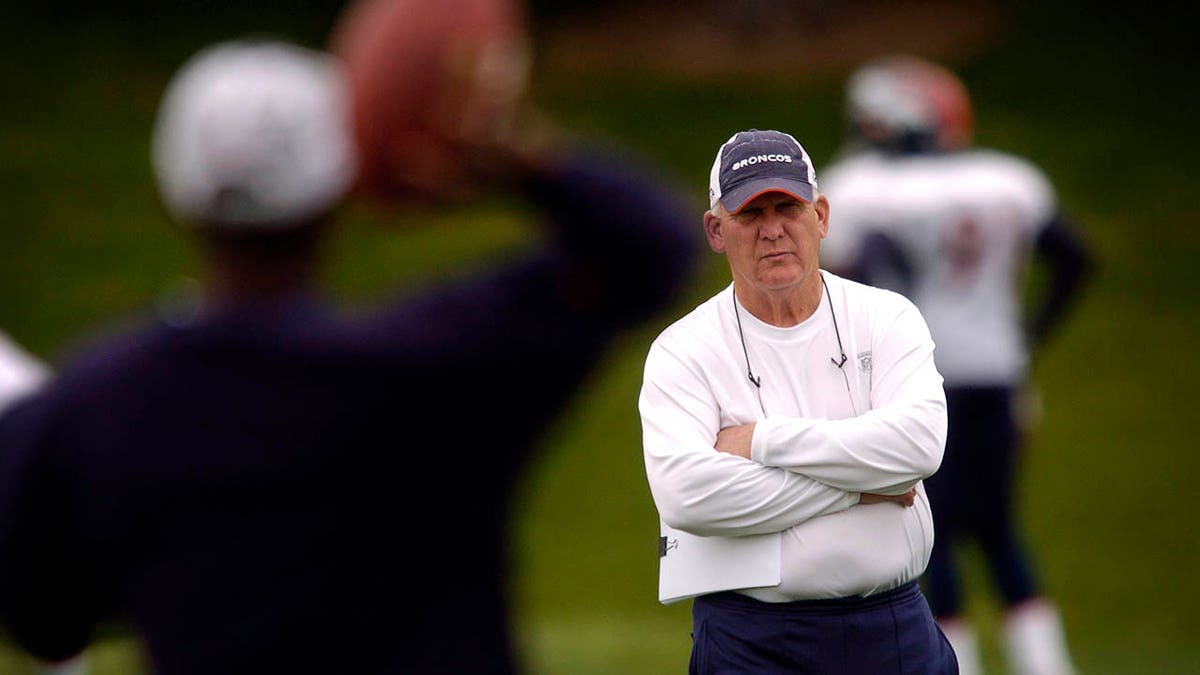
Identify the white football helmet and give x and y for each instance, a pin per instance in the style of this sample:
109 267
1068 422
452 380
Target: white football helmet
253 135
901 102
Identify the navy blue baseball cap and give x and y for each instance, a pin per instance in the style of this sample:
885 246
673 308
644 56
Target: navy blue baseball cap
753 162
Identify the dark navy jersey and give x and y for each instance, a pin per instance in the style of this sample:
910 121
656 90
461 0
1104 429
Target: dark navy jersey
293 489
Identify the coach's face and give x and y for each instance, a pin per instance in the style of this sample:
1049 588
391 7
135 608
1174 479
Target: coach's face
772 243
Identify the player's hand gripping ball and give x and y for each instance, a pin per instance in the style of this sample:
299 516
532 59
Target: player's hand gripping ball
429 79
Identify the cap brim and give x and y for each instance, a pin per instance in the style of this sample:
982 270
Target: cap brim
736 199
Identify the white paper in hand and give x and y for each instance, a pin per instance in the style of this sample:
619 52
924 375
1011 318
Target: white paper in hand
689 565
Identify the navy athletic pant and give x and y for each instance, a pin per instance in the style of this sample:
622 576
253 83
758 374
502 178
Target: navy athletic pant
891 633
972 498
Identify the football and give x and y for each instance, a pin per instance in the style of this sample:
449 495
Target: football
425 76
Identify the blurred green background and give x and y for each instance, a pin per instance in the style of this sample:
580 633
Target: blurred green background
1102 96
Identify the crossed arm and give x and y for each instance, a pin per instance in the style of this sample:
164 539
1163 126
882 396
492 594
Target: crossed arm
735 440
778 472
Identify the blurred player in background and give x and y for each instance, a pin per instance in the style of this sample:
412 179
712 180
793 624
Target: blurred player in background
21 373
957 228
261 485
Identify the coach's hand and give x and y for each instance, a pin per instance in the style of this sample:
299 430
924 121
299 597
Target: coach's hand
905 499
735 440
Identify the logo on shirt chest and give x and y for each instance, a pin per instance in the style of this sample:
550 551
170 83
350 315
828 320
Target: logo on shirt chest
864 361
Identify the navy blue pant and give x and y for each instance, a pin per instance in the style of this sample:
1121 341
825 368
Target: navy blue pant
891 633
972 499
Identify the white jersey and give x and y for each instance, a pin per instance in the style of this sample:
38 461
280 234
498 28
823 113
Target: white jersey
849 183
877 424
966 222
20 372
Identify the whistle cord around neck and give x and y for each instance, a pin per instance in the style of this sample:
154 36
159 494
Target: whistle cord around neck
840 361
838 333
756 381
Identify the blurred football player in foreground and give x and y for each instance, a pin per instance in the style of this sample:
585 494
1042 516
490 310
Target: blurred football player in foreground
257 483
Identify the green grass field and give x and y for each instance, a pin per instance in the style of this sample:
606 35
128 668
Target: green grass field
1105 104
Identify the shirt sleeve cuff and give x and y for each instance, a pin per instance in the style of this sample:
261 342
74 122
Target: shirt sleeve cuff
760 441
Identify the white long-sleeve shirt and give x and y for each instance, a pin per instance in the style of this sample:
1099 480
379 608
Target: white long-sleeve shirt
877 424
